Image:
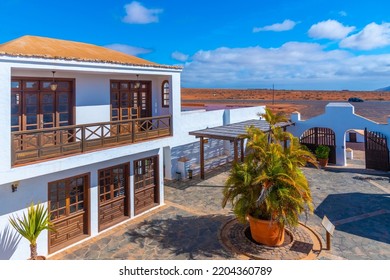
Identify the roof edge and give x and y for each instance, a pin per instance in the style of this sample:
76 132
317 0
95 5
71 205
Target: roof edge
92 61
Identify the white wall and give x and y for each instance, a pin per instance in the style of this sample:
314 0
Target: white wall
340 117
5 120
92 93
36 189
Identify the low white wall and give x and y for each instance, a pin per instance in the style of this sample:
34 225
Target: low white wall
340 117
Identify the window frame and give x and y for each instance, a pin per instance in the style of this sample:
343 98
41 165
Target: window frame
165 96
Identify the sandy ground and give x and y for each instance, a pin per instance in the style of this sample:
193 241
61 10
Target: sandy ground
376 105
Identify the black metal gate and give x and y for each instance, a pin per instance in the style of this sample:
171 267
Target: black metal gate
377 151
316 136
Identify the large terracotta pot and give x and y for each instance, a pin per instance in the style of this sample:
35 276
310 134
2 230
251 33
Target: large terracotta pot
265 232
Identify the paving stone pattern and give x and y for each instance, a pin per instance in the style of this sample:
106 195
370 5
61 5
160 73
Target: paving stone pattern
188 226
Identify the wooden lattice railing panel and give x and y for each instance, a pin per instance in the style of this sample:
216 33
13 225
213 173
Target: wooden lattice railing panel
49 143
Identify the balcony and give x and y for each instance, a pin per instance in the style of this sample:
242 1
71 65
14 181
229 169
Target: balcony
43 144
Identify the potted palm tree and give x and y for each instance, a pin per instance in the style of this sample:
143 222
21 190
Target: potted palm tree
322 154
32 225
269 189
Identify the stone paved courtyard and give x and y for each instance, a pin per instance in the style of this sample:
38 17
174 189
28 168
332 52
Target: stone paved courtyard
188 225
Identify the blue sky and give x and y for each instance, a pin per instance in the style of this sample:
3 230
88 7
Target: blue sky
300 44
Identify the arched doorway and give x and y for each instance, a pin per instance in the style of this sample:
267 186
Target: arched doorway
355 148
316 136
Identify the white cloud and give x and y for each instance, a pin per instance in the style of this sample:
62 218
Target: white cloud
278 27
330 29
294 64
371 37
180 56
128 49
136 13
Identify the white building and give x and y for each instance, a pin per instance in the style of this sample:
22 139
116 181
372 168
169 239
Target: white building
89 132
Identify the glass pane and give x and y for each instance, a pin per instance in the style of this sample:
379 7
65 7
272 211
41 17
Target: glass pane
53 205
80 184
63 107
48 98
64 117
61 203
31 99
63 98
124 85
114 85
15 84
48 118
46 84
31 109
72 209
32 127
63 85
15 109
31 119
48 108
31 84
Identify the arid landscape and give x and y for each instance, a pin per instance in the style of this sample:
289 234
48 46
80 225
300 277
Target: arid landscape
376 105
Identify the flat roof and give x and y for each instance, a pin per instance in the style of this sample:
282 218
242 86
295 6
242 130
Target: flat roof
234 131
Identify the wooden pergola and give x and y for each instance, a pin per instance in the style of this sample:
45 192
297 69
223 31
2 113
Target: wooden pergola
233 133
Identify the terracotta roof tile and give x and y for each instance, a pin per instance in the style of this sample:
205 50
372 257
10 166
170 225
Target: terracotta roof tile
42 47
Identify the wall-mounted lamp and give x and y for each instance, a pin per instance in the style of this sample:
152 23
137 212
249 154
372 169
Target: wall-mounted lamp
53 85
137 83
14 186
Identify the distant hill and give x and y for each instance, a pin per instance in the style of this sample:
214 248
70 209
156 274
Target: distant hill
384 89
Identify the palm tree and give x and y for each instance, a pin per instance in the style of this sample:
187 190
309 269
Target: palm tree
269 184
32 225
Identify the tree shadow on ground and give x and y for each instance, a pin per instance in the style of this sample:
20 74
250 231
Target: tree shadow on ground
191 237
366 215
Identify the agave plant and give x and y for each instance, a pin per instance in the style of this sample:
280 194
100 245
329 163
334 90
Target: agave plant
269 184
32 225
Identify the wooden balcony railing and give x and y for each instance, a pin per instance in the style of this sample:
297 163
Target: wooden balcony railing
40 144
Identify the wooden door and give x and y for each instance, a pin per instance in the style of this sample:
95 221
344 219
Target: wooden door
113 195
352 137
35 106
146 184
68 209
